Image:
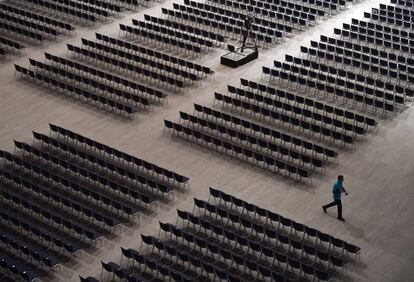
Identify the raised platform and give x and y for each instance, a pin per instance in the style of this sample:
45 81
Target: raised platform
236 59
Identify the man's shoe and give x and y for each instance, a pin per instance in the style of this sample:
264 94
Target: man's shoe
341 219
324 209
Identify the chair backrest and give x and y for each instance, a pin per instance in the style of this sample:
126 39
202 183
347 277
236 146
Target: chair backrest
337 242
149 240
199 203
324 237
323 255
337 261
322 275
168 124
308 269
214 192
107 266
126 253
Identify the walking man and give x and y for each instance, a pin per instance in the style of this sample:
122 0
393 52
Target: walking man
337 190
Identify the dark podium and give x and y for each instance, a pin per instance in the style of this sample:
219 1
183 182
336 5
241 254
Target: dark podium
235 58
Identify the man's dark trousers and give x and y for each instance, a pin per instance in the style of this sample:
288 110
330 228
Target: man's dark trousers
335 203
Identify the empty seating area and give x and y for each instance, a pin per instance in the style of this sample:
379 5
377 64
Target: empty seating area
227 238
196 28
201 16
135 62
103 72
64 192
20 26
149 70
293 119
393 15
176 40
296 111
83 11
59 87
288 134
368 65
291 13
9 46
147 65
198 70
35 21
392 66
224 23
93 86
248 140
403 4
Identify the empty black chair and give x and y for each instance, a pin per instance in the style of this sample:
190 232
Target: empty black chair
352 249
88 279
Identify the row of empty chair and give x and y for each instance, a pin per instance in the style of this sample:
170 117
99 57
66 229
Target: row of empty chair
9 46
228 21
62 87
289 10
273 128
26 21
250 141
37 18
377 38
140 164
64 193
117 93
211 37
349 80
83 11
368 50
308 103
132 69
160 40
150 66
402 4
255 129
327 5
303 121
112 80
184 42
299 107
221 19
35 21
186 78
359 69
226 26
192 38
21 24
13 45
227 238
41 31
197 27
149 53
392 68
11 30
294 17
275 120
395 17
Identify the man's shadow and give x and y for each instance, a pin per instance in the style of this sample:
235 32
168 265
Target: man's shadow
354 230
358 266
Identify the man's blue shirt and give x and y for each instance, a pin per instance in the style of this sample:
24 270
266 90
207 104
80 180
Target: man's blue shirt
337 188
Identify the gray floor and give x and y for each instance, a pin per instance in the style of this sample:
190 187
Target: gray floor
379 210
